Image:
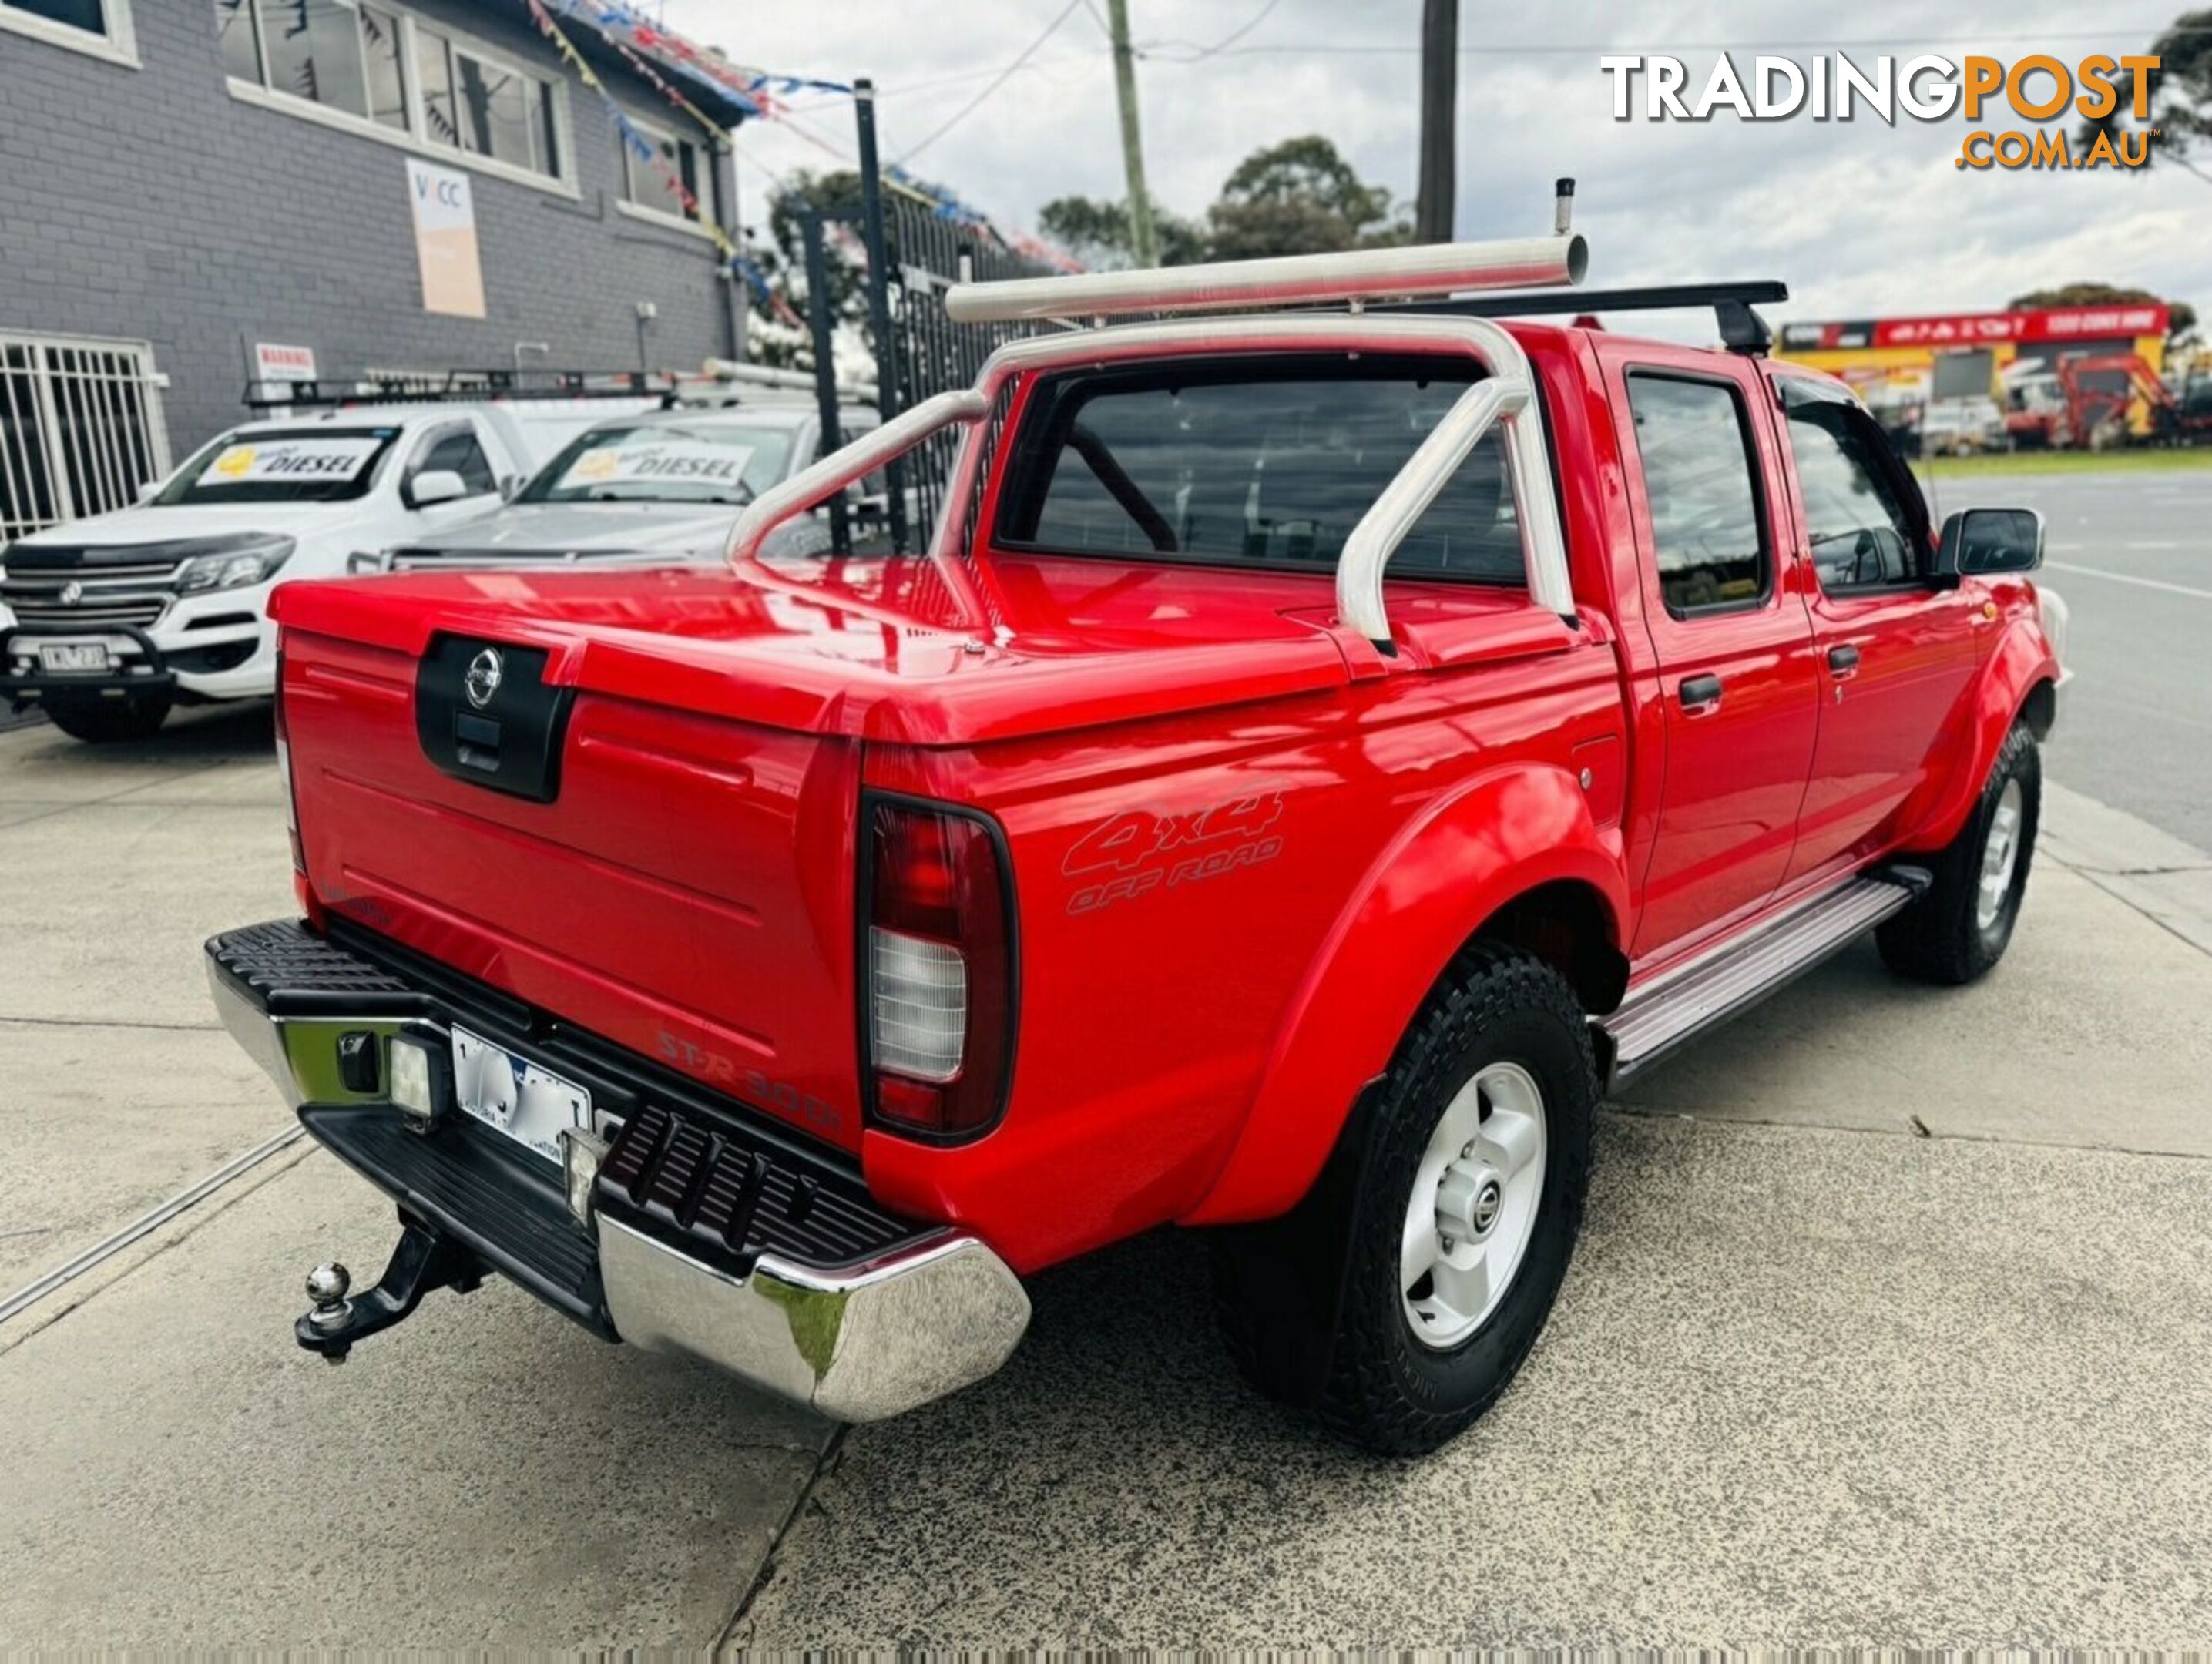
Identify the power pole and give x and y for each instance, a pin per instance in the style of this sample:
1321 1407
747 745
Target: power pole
1433 210
1132 137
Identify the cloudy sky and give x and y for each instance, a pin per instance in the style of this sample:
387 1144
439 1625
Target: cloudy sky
1860 218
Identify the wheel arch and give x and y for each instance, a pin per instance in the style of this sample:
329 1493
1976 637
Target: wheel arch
2018 682
1516 857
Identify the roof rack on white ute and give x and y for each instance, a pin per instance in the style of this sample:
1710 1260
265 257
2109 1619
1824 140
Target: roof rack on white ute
720 373
1292 280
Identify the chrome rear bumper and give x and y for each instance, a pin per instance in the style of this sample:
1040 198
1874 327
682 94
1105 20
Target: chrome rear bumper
860 1341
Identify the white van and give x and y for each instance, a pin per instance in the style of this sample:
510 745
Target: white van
109 622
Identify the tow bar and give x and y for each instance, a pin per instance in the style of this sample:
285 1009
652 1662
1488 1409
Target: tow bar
423 1261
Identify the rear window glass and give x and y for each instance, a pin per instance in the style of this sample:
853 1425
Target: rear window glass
314 464
1267 463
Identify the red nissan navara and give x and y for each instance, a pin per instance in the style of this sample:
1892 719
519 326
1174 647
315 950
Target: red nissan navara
1333 736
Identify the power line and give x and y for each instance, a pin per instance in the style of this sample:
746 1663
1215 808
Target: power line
997 82
1533 49
1152 51
1197 52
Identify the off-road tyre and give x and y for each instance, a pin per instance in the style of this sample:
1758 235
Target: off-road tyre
106 721
1378 1386
1940 939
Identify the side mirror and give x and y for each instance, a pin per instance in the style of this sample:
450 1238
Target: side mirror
1977 542
437 486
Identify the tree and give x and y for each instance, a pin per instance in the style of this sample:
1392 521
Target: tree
1300 196
835 197
778 335
2179 91
1099 234
2181 317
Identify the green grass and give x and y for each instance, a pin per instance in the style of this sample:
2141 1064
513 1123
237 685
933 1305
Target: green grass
2165 459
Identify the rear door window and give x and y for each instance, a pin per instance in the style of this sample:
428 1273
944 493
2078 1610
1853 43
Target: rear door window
1700 480
1265 464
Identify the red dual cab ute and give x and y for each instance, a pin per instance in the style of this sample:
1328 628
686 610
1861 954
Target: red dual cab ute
1321 749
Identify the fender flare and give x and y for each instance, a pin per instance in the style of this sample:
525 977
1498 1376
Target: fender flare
1503 833
2020 662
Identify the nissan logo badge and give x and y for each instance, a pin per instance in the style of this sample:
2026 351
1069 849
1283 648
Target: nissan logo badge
483 680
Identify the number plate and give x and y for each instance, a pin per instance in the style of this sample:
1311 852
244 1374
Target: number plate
63 658
517 1098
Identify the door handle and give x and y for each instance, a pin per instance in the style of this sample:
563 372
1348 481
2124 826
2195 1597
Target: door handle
1700 695
1842 661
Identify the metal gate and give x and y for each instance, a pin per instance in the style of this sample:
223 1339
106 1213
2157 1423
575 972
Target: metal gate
933 355
81 428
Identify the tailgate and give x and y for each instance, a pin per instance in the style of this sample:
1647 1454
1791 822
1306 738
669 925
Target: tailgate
681 884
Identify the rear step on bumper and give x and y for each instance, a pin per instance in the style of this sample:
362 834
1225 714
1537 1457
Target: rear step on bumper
799 1285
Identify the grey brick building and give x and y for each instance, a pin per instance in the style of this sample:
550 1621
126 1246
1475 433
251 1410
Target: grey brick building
185 182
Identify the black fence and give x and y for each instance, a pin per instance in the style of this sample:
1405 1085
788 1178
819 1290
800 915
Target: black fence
914 254
931 353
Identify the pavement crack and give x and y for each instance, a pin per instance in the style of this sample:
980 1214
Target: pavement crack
37 1319
110 1023
117 795
2103 877
824 1461
1912 1128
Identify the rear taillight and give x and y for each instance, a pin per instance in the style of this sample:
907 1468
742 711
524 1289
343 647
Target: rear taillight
284 775
938 972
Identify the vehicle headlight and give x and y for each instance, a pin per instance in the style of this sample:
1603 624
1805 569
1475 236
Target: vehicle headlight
234 568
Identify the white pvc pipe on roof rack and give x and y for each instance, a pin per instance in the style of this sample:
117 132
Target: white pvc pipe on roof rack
1433 268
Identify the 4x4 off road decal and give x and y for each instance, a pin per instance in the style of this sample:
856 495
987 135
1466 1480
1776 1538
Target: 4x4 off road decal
1139 852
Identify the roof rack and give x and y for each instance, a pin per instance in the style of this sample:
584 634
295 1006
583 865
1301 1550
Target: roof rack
1742 329
1356 275
722 372
460 385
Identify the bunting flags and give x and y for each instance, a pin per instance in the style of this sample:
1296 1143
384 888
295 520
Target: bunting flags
632 36
633 137
594 14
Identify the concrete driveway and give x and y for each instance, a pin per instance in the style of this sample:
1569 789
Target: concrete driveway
1889 1324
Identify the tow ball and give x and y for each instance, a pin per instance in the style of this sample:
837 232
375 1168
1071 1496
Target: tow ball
423 1261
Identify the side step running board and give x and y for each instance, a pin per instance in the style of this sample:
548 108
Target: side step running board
1652 1022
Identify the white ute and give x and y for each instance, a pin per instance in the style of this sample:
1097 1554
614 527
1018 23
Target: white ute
110 621
654 489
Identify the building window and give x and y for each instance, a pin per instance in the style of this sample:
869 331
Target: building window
381 65
652 185
484 107
386 86
80 429
99 27
312 49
